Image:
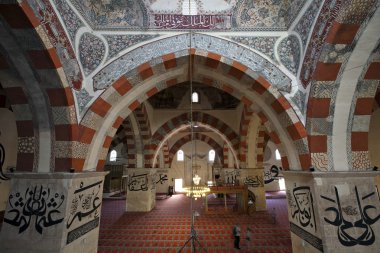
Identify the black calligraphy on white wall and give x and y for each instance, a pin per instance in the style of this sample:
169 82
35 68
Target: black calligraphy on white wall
303 220
254 181
353 221
230 176
271 174
2 160
162 178
36 204
302 207
138 182
84 209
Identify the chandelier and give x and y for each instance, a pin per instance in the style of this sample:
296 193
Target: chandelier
195 190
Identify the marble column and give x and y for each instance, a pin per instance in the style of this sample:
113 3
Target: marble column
53 213
141 192
333 211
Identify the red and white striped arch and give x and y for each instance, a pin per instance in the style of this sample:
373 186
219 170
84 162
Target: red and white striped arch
211 69
339 106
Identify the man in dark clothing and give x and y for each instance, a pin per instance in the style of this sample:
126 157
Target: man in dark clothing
237 236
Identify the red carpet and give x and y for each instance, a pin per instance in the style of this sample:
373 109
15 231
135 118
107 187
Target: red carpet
167 227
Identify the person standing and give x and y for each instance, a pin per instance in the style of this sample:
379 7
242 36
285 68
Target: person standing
237 236
248 236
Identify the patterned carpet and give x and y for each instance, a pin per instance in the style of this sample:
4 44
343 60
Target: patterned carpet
167 228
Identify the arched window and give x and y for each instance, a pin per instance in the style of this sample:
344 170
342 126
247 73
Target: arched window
278 156
211 155
180 155
189 7
113 156
195 97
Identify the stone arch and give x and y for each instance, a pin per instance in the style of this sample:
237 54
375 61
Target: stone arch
260 145
361 111
243 132
125 135
135 86
282 148
166 155
197 136
35 81
331 144
182 122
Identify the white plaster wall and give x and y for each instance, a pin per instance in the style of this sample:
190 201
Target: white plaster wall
8 138
182 169
374 138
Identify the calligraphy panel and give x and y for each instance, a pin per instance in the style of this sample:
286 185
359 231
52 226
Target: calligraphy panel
48 212
231 176
302 210
271 173
84 208
350 212
35 207
254 179
162 180
176 21
141 190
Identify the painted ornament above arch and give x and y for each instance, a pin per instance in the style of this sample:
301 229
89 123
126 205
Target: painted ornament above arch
83 98
305 24
58 38
276 15
264 45
70 19
289 51
114 14
322 26
91 52
230 50
117 43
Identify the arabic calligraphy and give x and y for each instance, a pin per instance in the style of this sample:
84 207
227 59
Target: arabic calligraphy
138 182
269 175
302 209
175 21
254 181
85 203
230 177
162 178
2 160
38 202
354 228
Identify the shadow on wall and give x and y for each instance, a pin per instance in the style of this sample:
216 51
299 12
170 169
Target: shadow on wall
8 151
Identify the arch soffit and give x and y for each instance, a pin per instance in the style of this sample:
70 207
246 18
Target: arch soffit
178 44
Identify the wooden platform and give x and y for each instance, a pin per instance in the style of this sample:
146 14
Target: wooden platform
241 198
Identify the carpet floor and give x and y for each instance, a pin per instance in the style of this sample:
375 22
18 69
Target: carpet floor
167 227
